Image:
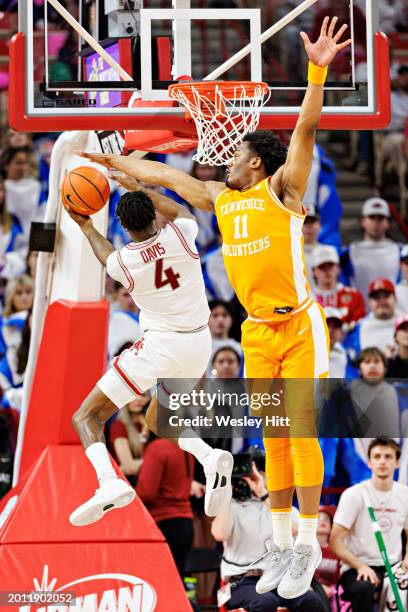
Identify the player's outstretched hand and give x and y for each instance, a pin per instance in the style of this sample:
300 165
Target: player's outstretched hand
104 159
325 49
82 220
128 182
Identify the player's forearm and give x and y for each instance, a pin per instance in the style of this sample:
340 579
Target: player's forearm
191 190
100 246
166 206
221 526
344 554
147 171
311 110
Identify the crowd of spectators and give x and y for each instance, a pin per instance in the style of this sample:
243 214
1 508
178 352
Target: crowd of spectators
363 289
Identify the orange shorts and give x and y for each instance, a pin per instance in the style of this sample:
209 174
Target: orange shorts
295 348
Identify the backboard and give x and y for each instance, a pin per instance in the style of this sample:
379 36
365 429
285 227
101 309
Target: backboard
60 82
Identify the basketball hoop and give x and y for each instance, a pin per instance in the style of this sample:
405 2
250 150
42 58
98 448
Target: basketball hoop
223 112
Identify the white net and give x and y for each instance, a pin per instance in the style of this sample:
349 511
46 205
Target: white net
222 122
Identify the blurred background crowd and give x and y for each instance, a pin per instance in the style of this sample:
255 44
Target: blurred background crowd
356 250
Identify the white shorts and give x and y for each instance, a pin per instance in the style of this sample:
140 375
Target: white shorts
157 354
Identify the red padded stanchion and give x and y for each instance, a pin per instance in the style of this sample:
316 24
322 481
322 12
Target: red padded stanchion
71 359
120 563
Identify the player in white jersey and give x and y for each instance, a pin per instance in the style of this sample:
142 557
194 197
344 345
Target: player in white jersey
161 270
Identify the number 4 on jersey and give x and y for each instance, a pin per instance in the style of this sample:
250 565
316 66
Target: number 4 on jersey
169 278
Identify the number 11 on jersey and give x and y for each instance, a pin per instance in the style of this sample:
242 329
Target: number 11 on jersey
241 227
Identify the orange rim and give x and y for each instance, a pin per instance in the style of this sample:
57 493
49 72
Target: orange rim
208 88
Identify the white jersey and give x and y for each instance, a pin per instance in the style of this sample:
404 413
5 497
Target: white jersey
163 276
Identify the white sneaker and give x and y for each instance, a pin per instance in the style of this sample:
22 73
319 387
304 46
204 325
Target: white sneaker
218 489
298 577
115 493
278 563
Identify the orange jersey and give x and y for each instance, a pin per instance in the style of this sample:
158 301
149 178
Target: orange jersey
263 251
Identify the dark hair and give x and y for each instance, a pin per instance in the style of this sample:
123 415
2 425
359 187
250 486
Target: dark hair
384 442
372 351
269 148
136 211
215 303
226 347
8 155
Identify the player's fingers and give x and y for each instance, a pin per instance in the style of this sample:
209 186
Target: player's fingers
343 45
82 154
116 176
340 32
332 26
323 31
305 38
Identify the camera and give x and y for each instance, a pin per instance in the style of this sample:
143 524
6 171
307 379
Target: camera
242 465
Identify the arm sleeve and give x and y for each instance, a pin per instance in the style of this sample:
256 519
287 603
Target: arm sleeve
116 270
348 509
151 474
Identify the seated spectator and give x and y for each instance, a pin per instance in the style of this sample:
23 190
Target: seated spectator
164 486
226 363
377 328
328 571
22 190
13 244
16 140
31 263
338 354
311 229
12 369
123 320
352 538
244 559
19 298
128 434
220 324
398 364
329 292
375 399
375 256
401 290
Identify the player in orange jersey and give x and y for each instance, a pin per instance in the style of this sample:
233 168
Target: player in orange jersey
260 215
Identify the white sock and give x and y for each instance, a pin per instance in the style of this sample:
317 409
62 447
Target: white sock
307 533
189 441
282 528
98 455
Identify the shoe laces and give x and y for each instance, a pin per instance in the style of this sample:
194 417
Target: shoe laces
272 553
302 555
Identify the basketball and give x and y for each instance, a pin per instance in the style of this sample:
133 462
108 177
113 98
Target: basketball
85 190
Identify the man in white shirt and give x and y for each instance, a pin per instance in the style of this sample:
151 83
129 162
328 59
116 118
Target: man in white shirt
375 256
244 559
352 538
